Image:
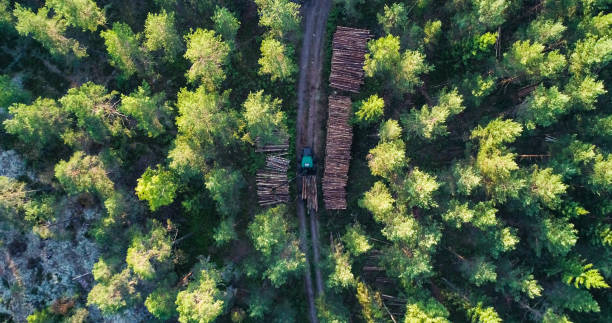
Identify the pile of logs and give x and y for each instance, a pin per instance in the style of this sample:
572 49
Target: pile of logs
348 53
309 192
272 185
337 153
279 149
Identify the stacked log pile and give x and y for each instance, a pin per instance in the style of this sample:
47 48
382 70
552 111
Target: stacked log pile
279 149
309 192
272 185
337 153
348 53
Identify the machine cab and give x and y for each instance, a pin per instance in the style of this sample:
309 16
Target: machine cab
307 162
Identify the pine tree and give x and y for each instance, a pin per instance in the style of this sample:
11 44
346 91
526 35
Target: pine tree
160 34
276 60
49 32
208 55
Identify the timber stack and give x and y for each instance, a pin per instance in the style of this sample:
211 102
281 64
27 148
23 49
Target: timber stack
278 149
348 54
337 153
272 185
309 192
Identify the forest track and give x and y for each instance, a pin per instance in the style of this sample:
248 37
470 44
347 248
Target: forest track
309 127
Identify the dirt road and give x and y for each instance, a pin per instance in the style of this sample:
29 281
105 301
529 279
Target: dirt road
309 126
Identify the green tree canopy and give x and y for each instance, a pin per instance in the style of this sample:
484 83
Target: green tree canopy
38 125
49 32
157 186
370 110
123 47
160 34
151 112
282 17
264 119
148 251
79 13
276 60
208 54
403 69
84 174
224 186
226 24
202 301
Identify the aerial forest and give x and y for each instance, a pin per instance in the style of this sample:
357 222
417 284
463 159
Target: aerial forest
332 161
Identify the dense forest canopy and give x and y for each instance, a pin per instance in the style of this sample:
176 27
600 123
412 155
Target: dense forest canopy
480 184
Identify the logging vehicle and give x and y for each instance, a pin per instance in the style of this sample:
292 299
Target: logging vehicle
307 165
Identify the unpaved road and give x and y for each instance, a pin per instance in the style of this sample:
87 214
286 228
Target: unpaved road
309 127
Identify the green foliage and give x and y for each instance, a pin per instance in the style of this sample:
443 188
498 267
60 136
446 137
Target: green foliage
428 311
48 31
84 174
370 110
152 114
225 232
390 130
224 186
79 13
544 107
387 158
115 294
42 316
545 31
38 125
403 70
419 188
226 24
161 304
547 187
349 7
432 30
13 197
146 251
394 19
356 240
528 59
482 314
429 123
94 110
11 92
490 13
584 92
378 200
276 60
208 54
560 235
202 301
601 178
586 276
371 304
590 53
467 178
5 14
282 17
479 271
122 45
203 123
157 186
264 119
271 235
341 275
160 34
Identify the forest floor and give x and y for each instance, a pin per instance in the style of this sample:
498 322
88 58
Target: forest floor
309 124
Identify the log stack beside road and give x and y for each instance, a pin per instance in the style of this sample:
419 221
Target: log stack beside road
348 53
337 153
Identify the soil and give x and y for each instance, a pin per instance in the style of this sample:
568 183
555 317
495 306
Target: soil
309 125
